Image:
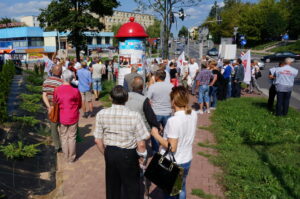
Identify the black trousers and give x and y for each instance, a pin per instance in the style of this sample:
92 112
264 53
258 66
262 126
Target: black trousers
222 90
121 173
237 89
283 102
272 94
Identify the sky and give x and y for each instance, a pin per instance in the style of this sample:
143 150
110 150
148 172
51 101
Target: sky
18 8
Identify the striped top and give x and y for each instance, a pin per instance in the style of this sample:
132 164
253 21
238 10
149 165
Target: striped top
49 85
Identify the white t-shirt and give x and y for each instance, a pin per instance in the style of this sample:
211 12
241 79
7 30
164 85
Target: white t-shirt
193 69
168 78
182 127
97 70
77 66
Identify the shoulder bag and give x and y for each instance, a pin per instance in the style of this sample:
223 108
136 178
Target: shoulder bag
165 173
54 113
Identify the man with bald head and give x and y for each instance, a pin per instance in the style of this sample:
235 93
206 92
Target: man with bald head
49 85
141 104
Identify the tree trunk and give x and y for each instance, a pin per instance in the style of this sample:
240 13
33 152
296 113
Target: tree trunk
77 53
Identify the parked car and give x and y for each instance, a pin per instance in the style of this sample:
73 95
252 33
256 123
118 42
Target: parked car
178 51
261 65
213 52
280 56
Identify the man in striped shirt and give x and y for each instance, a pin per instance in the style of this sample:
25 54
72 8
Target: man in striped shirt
48 89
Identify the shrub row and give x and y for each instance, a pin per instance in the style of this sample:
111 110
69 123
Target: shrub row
6 76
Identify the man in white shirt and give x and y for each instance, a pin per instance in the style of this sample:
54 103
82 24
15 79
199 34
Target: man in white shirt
193 70
77 64
96 76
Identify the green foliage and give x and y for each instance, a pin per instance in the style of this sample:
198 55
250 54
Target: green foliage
294 47
34 89
76 17
201 194
257 150
6 76
115 29
265 45
19 150
35 80
105 94
183 32
30 102
154 30
260 22
26 120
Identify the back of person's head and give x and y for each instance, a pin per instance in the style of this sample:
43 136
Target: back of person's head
83 64
137 84
180 98
162 66
213 64
160 75
67 76
281 63
134 68
56 70
226 62
288 61
239 61
119 95
171 64
203 65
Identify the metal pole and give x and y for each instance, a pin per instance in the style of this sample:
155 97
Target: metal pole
201 48
188 50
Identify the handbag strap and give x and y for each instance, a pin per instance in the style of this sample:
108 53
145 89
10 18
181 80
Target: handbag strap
168 151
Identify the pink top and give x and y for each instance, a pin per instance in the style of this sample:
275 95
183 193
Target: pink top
69 100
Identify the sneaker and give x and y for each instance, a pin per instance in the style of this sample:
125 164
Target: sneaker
207 111
201 112
212 108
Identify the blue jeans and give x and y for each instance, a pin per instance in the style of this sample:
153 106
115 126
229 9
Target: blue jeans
97 84
182 195
228 95
213 95
203 94
162 119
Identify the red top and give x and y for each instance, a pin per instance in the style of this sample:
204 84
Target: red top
131 29
69 100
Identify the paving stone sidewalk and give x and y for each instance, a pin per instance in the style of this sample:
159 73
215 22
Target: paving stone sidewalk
85 179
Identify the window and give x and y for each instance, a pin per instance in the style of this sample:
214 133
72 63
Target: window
35 41
99 39
90 40
107 39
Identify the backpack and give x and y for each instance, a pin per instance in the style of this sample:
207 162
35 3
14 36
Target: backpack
257 75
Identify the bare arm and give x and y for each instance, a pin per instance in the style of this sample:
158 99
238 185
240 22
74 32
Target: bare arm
46 101
214 80
100 145
163 141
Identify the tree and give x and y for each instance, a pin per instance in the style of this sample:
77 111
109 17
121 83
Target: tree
165 9
76 16
183 32
154 30
115 29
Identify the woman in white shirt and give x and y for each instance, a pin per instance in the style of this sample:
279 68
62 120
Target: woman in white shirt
180 132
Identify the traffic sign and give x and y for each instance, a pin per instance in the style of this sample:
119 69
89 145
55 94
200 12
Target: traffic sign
243 42
285 37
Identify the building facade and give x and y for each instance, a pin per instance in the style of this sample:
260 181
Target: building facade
120 17
31 43
31 21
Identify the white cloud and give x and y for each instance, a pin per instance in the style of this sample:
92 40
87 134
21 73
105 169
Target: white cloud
22 9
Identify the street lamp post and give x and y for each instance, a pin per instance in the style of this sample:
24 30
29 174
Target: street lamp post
235 33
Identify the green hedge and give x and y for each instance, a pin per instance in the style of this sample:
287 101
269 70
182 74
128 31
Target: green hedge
258 152
6 76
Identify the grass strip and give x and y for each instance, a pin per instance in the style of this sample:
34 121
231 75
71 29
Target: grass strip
258 152
201 194
293 47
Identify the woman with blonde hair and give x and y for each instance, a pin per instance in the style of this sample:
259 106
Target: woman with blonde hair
179 132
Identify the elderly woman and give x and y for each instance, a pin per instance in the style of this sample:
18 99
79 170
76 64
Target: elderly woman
180 132
69 100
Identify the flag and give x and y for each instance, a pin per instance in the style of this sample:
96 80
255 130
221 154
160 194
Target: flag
180 60
246 59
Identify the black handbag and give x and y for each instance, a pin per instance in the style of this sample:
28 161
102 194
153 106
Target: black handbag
165 173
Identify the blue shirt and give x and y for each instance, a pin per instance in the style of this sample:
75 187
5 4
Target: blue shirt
227 72
84 79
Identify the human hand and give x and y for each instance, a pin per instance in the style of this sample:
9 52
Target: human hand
49 109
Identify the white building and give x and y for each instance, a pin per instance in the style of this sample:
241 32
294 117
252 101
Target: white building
30 21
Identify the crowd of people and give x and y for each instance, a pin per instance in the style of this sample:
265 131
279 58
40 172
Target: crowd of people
147 110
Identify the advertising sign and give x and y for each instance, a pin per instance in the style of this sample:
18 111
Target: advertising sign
132 51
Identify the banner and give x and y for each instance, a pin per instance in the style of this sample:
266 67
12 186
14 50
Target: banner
180 60
246 59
